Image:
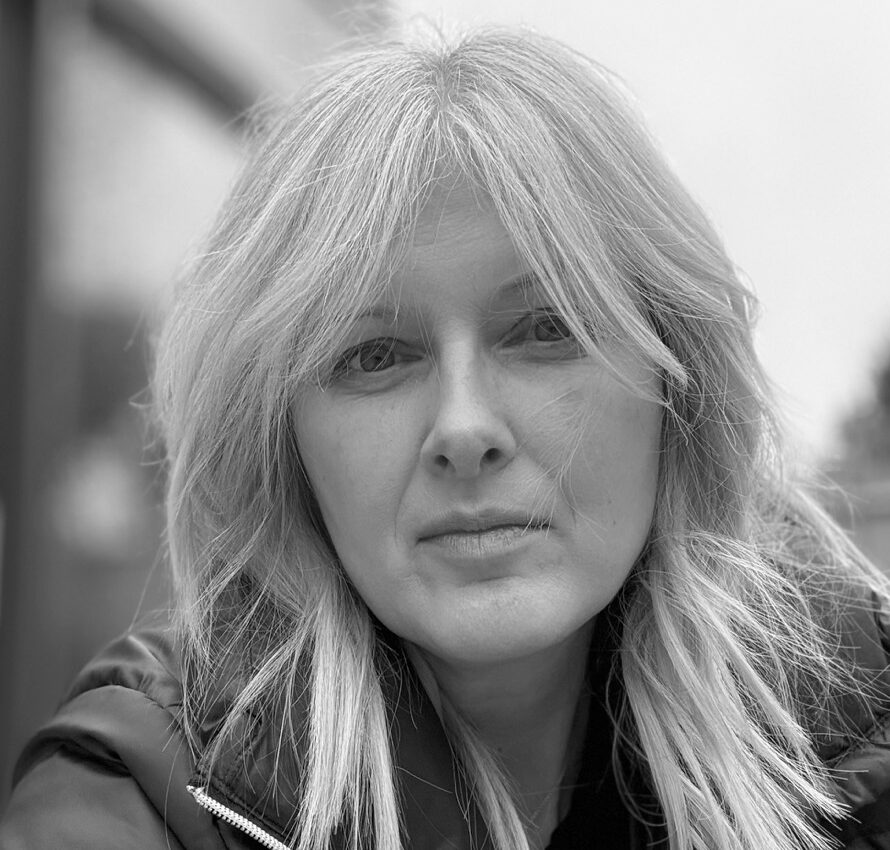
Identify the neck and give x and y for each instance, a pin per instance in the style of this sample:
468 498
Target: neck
529 712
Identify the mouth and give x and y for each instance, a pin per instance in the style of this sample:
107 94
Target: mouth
482 523
478 535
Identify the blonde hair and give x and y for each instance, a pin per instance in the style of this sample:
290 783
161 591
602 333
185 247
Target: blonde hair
724 652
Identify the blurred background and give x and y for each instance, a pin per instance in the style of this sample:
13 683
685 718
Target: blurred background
121 129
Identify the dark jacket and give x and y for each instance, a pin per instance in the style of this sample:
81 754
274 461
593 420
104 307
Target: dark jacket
112 769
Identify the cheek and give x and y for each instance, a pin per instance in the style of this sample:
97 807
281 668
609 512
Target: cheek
612 477
356 468
355 463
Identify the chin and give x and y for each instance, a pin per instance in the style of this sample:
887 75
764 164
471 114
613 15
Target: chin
498 637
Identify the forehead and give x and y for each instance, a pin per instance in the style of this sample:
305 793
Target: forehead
452 211
459 244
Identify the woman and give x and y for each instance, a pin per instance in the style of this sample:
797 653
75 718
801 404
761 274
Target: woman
477 513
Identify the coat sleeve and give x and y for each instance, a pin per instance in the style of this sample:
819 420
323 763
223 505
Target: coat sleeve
110 769
71 803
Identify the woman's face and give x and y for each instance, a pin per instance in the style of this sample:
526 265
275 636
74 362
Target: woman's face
486 484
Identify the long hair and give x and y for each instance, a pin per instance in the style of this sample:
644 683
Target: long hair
726 645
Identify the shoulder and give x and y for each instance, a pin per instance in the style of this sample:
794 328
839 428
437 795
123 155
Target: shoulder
859 760
112 758
862 776
128 697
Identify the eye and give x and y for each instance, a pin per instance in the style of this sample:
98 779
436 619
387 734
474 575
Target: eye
542 333
375 355
547 326
544 325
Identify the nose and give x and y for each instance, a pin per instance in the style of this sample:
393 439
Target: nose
470 434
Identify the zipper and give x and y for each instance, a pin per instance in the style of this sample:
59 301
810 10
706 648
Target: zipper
203 799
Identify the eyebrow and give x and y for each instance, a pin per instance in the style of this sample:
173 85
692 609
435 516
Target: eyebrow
380 310
519 284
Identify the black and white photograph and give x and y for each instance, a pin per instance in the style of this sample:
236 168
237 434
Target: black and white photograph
444 425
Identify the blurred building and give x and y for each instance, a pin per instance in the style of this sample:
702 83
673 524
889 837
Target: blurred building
120 131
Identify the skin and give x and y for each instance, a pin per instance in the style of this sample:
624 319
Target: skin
478 402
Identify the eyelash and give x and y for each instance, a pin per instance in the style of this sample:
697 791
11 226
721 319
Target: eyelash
387 347
383 346
542 318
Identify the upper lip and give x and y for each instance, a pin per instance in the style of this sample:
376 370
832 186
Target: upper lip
483 519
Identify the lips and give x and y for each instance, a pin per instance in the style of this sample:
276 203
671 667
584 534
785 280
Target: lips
474 523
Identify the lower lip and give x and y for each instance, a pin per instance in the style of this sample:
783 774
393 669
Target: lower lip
481 544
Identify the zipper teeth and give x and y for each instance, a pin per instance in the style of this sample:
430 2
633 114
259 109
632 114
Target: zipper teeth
239 821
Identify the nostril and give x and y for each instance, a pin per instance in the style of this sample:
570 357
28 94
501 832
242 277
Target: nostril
491 456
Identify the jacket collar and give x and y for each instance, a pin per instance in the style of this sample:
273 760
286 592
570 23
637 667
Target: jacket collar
249 780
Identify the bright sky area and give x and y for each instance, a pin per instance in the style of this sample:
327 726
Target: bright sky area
776 114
